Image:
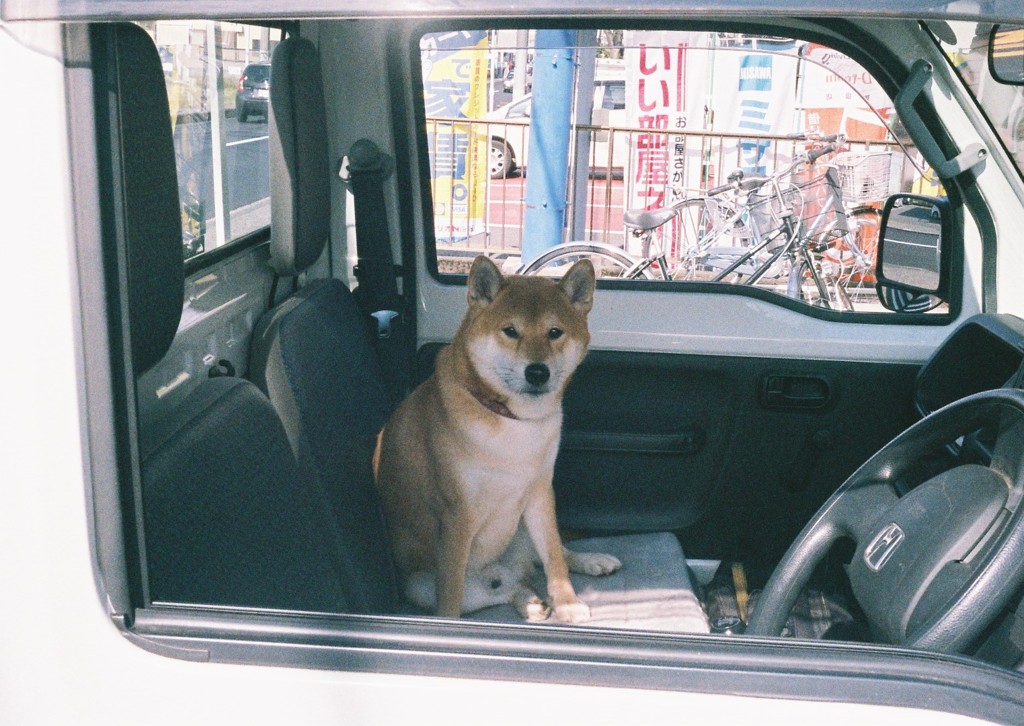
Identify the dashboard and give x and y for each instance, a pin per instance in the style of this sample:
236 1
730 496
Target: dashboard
984 353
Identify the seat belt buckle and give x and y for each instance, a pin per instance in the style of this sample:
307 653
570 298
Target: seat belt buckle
384 318
364 156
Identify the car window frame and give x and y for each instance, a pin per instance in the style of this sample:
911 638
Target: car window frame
372 645
886 71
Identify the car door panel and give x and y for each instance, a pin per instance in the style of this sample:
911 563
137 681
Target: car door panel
222 303
735 453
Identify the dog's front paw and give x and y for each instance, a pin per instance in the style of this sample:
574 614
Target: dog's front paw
593 563
536 609
530 605
572 612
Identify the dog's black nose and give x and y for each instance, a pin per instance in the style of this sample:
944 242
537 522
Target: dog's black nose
537 374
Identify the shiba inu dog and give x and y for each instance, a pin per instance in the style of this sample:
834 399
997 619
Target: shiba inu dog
464 465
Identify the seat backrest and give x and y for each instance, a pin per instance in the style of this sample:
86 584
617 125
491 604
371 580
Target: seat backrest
228 520
313 354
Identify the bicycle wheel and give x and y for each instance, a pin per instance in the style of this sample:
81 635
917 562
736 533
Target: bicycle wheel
866 222
609 262
701 226
850 259
809 283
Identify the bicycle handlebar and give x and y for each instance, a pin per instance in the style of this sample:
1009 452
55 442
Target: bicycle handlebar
814 154
738 181
815 136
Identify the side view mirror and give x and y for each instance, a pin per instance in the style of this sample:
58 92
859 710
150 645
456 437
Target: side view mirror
1006 54
912 270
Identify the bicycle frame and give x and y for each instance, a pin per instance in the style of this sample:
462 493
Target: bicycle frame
790 236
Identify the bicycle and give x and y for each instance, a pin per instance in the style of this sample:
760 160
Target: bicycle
804 231
746 229
802 220
643 223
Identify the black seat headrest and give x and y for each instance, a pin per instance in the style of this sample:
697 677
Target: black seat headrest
131 92
300 193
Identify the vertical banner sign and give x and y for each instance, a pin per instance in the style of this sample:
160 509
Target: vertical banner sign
656 100
655 80
667 84
754 93
455 83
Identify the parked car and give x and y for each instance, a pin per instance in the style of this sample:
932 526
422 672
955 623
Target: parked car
190 531
510 128
253 96
509 79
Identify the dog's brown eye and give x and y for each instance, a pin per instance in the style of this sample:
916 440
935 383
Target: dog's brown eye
511 332
555 333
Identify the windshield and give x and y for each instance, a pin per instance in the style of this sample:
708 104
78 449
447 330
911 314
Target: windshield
1002 103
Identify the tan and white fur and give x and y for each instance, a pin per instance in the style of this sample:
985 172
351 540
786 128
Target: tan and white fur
464 466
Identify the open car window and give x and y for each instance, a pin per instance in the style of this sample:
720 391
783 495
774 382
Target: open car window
678 157
218 87
196 507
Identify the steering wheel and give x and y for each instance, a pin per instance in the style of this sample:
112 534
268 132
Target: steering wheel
933 568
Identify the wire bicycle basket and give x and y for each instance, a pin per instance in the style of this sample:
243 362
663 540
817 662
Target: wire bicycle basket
768 207
721 220
864 175
823 217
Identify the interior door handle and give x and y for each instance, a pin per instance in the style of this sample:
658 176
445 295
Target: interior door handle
687 442
804 392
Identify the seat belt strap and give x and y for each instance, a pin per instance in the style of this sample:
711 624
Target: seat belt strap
365 169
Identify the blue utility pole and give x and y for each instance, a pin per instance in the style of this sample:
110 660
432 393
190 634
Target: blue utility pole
550 114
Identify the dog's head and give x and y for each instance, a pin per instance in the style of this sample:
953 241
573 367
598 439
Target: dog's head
525 336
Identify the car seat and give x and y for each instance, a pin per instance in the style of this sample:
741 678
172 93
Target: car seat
313 354
227 519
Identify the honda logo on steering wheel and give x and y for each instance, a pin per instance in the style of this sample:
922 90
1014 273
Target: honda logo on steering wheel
883 546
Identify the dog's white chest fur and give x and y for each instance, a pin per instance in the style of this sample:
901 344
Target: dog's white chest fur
509 460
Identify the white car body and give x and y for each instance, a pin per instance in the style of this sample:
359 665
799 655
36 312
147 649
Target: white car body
63 659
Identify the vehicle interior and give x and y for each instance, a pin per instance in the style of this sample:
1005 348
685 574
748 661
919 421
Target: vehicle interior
767 470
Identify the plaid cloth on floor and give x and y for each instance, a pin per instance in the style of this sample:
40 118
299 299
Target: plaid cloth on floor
812 615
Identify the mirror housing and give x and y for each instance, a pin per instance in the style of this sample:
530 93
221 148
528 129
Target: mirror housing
912 269
1006 54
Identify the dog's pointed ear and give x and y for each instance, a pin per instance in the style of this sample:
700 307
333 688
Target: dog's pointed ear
484 282
578 284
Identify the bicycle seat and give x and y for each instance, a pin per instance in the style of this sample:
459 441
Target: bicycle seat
753 182
647 219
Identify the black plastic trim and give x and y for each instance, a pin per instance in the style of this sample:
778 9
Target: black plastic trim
990 346
219 254
686 443
109 166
